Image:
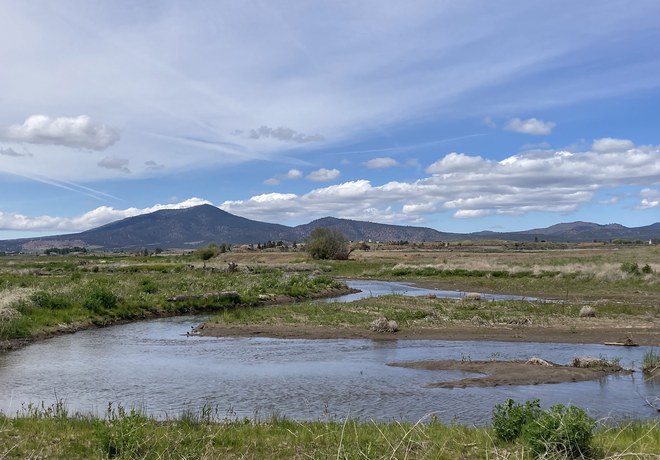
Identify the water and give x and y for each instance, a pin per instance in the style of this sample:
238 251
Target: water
154 366
374 288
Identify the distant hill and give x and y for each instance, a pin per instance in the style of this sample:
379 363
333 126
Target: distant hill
201 225
355 230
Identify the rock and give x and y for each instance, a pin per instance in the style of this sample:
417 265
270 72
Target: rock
472 296
538 362
383 325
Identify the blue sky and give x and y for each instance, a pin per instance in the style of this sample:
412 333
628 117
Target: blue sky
460 116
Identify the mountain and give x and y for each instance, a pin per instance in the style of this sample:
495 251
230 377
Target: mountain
355 230
201 225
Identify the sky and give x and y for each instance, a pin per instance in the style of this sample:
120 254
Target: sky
461 116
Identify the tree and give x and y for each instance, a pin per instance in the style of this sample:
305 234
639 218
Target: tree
207 252
327 243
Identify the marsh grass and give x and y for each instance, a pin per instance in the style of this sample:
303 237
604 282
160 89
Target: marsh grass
43 295
651 361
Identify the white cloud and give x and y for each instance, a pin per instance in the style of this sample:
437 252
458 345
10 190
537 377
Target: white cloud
530 126
112 162
470 186
470 213
608 144
650 198
94 218
456 162
323 175
76 132
381 163
294 174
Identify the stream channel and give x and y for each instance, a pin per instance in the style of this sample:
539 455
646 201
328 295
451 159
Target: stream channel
154 367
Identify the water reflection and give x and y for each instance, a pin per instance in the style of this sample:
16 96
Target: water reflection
153 365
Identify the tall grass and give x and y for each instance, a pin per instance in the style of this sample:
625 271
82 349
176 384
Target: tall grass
47 433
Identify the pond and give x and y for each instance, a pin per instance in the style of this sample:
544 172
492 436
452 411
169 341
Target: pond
155 367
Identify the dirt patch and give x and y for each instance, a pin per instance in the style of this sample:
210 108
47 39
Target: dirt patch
612 333
498 373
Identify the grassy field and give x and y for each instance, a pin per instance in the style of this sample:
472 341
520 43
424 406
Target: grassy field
51 433
41 296
45 295
574 272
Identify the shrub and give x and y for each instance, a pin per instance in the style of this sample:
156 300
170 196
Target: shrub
630 267
646 269
565 432
510 418
43 299
327 243
101 298
148 286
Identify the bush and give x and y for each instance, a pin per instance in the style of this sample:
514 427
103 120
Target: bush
43 299
101 298
646 269
327 243
630 267
562 431
510 418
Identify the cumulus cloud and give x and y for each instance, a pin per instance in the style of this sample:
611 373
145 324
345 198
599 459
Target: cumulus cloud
75 132
294 174
470 187
608 144
94 218
381 163
530 126
650 198
323 175
455 162
283 134
112 162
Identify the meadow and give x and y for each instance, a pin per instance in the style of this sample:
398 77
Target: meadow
41 296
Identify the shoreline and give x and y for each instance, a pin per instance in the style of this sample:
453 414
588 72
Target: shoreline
640 336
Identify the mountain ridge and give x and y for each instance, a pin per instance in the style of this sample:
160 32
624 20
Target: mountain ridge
204 224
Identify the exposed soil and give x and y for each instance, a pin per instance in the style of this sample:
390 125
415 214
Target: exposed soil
558 334
509 373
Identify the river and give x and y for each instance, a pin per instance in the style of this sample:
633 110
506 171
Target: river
153 366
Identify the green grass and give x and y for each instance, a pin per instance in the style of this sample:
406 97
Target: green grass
127 434
40 295
651 361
